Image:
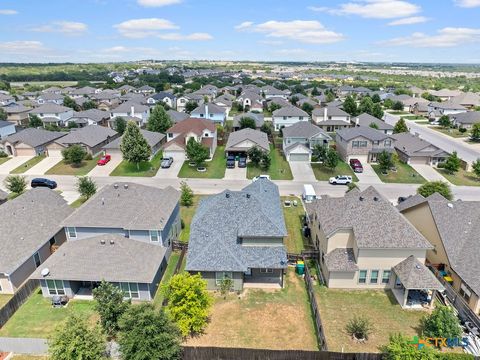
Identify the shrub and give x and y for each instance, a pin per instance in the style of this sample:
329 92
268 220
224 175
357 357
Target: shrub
359 327
462 130
15 183
88 156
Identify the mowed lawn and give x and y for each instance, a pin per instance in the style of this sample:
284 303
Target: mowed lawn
144 169
455 133
405 174
461 177
37 318
79 202
167 275
279 168
295 241
323 173
62 168
28 165
215 168
337 307
4 160
262 319
186 214
4 298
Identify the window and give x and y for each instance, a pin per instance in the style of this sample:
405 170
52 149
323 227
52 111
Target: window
465 292
36 258
374 277
56 287
266 271
72 232
376 142
386 276
362 276
301 118
201 115
387 143
284 118
222 275
359 144
205 135
130 290
170 135
154 235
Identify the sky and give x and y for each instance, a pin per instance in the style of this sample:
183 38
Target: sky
439 31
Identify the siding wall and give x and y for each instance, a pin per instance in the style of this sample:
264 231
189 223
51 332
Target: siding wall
209 276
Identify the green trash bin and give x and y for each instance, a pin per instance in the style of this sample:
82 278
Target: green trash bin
300 268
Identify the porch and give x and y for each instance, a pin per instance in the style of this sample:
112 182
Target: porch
263 279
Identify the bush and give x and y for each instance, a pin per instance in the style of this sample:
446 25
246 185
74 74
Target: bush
88 156
359 327
442 322
3 154
462 130
182 224
16 183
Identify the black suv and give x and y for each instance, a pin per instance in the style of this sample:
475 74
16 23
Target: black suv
41 182
230 162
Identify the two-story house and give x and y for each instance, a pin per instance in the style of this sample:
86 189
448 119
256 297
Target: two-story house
287 116
371 121
182 101
210 111
251 100
272 92
123 235
163 97
238 235
17 114
300 139
131 111
331 118
50 98
438 109
53 114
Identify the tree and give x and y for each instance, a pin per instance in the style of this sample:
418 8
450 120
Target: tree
315 91
376 98
330 96
147 333
366 106
385 161
475 132
267 128
110 306
255 155
190 106
186 197
432 187
444 121
75 340
15 184
319 152
197 152
331 159
476 167
308 108
400 126
225 286
119 125
397 105
442 322
69 102
3 115
89 104
350 106
388 103
86 187
72 125
452 164
400 348
159 121
34 121
273 107
74 155
134 147
377 111
373 125
247 122
294 100
265 160
188 302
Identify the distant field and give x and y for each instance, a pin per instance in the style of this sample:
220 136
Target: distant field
49 83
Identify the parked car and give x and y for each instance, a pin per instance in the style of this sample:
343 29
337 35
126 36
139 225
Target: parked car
104 160
166 162
356 165
242 162
261 177
340 180
230 162
41 182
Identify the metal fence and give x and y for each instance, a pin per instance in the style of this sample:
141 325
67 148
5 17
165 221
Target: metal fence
17 300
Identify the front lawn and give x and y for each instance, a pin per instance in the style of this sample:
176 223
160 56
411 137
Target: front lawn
62 168
415 117
167 275
79 202
28 165
37 318
295 242
461 177
215 168
4 298
144 169
186 214
4 159
279 167
323 173
405 174
263 319
455 133
398 112
337 307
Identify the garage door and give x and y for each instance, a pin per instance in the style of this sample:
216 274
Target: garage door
174 154
54 152
298 157
25 152
420 160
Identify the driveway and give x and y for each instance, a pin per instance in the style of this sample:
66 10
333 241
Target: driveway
173 170
368 176
428 172
105 170
13 163
236 173
43 166
302 171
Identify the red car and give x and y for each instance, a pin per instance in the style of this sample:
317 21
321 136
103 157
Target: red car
356 165
104 160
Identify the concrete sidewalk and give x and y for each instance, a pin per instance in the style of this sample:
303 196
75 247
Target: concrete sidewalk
43 166
24 345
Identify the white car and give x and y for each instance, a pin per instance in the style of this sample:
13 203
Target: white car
340 180
261 177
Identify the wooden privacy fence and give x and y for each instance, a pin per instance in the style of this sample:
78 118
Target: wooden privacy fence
17 300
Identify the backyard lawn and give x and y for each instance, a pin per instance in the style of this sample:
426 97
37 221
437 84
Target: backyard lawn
215 168
323 174
405 174
63 168
167 275
186 214
145 168
461 177
37 318
450 132
4 298
4 160
279 167
263 319
295 241
337 307
28 164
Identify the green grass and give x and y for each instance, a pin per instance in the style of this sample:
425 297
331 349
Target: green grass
29 357
397 112
460 178
405 175
4 298
323 174
4 160
63 168
145 168
279 168
295 242
415 117
79 202
37 318
167 275
186 214
215 168
28 165
450 132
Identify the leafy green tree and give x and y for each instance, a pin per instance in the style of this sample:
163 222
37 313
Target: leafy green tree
69 102
453 162
350 106
315 91
247 122
400 348
330 96
159 121
376 98
225 286
147 333
3 115
15 183
308 108
475 132
476 167
75 340
400 126
34 121
373 125
432 187
294 100
119 125
377 111
366 105
267 128
186 197
319 152
388 103
89 104
74 155
442 322
190 106
86 187
255 155
444 121
189 302
265 160
134 147
331 159
385 161
110 306
397 105
273 107
197 152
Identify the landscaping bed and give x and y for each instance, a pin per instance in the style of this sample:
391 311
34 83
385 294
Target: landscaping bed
461 177
215 168
279 167
405 174
62 168
144 169
28 165
323 173
295 242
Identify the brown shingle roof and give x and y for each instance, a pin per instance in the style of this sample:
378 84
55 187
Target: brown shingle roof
195 125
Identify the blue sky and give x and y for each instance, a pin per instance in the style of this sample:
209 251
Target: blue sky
300 30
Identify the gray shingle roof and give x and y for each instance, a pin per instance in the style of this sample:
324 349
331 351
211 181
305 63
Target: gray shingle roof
341 260
91 135
34 137
5 123
177 116
139 207
367 119
153 138
93 114
469 117
290 111
415 275
28 222
259 119
256 136
212 109
127 106
415 146
331 111
50 108
127 260
363 131
224 218
304 129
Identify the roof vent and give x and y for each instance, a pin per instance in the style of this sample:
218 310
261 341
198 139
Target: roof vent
103 201
102 241
450 205
248 196
115 186
112 242
375 198
45 272
361 198
125 186
227 195
417 267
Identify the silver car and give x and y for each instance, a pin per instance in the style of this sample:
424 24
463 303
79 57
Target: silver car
166 162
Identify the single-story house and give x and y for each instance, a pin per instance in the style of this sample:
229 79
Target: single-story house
89 117
368 120
468 99
54 114
154 139
412 149
50 98
239 142
465 120
258 117
287 116
30 142
444 108
300 139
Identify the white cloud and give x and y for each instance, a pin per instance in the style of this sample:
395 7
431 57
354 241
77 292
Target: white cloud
409 21
8 12
374 9
22 47
140 28
65 27
467 3
297 51
446 37
319 8
244 25
158 3
189 37
306 31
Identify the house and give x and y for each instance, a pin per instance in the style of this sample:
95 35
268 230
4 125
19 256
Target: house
287 116
271 92
225 101
126 88
365 243
202 130
130 109
53 114
145 89
211 112
369 120
177 116
331 118
154 139
53 90
412 149
182 101
17 114
251 100
465 120
469 100
89 117
129 248
52 98
420 108
30 231
259 120
162 97
438 109
92 138
277 101
363 143
452 229
249 250
209 91
6 99
416 91
82 92
300 139
445 94
30 142
239 142
6 128
134 97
